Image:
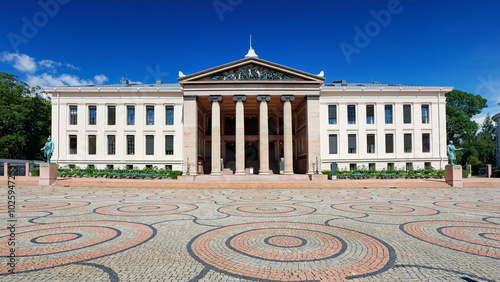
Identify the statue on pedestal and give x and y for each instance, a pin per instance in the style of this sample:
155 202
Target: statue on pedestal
451 152
48 150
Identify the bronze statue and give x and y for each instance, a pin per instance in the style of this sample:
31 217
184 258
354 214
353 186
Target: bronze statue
48 149
451 152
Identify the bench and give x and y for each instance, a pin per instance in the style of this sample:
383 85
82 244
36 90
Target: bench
387 175
144 175
357 176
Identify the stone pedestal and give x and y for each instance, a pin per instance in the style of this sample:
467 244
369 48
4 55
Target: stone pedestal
27 169
453 175
48 174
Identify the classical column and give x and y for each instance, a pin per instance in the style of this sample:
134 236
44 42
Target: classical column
313 134
263 134
190 157
287 133
240 134
215 100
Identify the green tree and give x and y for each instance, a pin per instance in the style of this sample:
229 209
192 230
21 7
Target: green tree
460 108
25 118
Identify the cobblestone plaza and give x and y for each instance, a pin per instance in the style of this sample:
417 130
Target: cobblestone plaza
131 234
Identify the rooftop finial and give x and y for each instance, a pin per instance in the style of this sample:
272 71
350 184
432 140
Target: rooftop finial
251 52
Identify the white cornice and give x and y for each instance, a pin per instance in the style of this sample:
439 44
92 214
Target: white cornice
113 89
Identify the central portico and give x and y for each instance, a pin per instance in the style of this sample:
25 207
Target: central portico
245 116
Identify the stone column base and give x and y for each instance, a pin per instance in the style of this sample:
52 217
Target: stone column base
453 175
48 174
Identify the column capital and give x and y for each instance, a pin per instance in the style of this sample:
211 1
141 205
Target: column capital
239 98
312 97
287 98
215 98
190 97
264 98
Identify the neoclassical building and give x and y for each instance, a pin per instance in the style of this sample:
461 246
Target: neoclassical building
250 116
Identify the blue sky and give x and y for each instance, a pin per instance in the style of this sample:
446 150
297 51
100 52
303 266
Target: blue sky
69 42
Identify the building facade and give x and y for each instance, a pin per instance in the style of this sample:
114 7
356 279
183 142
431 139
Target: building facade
250 116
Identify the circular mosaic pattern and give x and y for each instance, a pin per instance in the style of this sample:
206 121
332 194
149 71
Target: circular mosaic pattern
470 237
338 198
385 209
50 245
180 197
102 197
145 209
413 197
46 206
259 198
269 250
266 210
472 206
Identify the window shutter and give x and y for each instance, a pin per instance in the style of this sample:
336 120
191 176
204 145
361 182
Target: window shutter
333 144
150 145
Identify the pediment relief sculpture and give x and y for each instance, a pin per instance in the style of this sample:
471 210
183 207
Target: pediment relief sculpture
251 73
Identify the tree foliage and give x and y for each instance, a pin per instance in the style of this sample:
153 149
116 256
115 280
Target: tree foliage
25 119
478 141
460 108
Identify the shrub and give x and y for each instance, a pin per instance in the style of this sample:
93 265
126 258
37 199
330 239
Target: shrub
175 173
35 172
496 173
327 172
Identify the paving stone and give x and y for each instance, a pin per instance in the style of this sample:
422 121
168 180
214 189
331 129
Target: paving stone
154 234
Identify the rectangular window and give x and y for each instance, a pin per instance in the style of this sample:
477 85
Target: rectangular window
388 114
351 142
370 114
352 167
111 115
73 115
111 145
150 115
130 144
130 166
169 144
351 114
426 142
110 167
390 166
427 165
333 143
389 143
409 166
150 145
407 142
92 115
370 140
92 144
130 115
371 166
169 115
407 113
425 113
332 114
72 144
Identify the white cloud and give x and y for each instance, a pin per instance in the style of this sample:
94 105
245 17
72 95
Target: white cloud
70 66
21 62
49 64
46 79
100 79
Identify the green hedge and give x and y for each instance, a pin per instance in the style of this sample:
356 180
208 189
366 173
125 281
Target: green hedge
93 172
400 173
35 172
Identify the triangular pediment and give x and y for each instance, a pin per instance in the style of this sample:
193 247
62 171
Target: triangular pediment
251 70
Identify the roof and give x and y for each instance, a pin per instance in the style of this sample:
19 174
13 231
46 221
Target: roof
130 85
372 84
